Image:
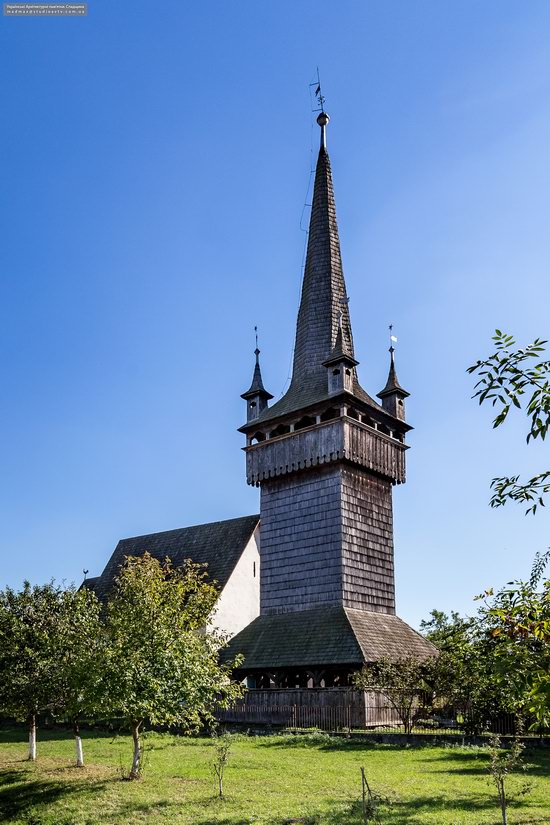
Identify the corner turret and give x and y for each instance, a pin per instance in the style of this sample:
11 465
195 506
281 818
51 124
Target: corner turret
393 395
257 397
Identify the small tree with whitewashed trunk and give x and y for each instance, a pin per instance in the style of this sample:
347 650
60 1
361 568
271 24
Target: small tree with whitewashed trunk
81 647
162 667
29 629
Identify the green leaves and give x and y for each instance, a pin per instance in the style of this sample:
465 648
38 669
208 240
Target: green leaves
401 681
509 378
145 655
161 663
509 489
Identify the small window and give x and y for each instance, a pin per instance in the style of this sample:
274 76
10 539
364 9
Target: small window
254 569
400 402
336 372
252 405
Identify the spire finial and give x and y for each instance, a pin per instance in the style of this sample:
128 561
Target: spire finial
393 340
393 394
322 118
257 396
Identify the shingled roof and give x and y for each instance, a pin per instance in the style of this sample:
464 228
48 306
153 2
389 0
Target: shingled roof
324 314
325 636
392 384
218 544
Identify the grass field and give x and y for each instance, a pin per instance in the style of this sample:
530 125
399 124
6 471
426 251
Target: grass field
275 780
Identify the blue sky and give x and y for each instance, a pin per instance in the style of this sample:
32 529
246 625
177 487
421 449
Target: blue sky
155 159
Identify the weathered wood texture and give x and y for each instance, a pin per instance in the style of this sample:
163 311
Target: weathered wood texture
326 443
325 708
326 539
300 541
367 542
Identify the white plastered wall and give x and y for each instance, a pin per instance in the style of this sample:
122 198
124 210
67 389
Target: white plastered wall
239 601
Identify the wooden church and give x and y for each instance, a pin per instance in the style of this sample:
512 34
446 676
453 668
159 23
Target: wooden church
325 456
308 594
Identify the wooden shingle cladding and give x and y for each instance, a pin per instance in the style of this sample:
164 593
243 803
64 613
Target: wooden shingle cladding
340 439
367 542
326 538
300 540
219 545
326 456
325 637
323 315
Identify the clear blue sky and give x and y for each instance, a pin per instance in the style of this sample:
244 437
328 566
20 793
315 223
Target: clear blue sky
154 161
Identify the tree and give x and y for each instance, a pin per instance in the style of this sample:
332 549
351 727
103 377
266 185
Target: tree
29 625
50 643
509 378
402 682
161 664
518 622
466 674
222 752
520 612
81 647
501 766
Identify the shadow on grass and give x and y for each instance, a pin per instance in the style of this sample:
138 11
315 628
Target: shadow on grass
21 792
476 761
325 741
321 741
410 812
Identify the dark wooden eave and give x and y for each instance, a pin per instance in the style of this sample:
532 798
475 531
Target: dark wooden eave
325 637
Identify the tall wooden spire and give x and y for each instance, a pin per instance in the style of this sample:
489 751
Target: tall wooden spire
323 306
325 457
323 326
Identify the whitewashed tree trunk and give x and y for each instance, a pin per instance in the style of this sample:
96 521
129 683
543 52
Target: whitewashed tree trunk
78 746
32 738
134 773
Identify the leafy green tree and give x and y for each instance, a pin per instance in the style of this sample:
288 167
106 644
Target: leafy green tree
50 655
520 378
161 664
401 681
520 612
29 626
517 620
465 675
80 660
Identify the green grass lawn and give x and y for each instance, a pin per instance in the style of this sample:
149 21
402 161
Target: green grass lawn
275 780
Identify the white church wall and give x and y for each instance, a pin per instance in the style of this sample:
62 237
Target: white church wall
239 601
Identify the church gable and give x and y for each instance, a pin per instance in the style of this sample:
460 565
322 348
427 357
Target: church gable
219 545
239 600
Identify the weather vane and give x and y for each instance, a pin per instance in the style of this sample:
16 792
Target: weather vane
393 339
319 96
256 334
85 573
